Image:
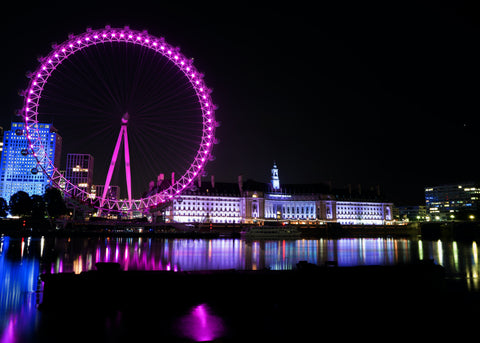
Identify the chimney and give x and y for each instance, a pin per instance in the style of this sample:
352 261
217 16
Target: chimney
212 179
173 178
240 183
199 181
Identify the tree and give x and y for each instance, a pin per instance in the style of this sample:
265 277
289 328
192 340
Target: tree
3 208
38 207
55 202
21 204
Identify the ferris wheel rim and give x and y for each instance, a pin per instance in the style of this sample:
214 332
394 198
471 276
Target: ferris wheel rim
75 43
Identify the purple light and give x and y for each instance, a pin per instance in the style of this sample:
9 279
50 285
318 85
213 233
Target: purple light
200 325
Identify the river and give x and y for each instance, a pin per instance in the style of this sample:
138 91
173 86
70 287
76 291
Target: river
22 260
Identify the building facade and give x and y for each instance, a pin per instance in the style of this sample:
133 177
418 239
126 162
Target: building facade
416 213
452 202
18 168
79 170
258 203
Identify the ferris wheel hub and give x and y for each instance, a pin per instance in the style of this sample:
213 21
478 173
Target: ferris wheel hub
125 118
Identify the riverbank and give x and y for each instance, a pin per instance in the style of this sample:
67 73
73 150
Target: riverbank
17 227
426 230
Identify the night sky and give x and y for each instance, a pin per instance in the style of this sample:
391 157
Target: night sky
375 93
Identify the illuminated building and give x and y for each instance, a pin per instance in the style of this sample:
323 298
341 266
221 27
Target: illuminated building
1 140
18 168
209 203
113 191
255 202
79 170
412 213
452 202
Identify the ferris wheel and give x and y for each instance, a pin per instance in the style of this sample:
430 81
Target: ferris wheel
172 110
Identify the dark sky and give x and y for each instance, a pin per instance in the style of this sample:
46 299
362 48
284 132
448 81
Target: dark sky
378 93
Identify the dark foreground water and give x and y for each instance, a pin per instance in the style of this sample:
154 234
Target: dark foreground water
22 260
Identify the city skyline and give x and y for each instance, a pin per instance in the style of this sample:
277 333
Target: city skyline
355 95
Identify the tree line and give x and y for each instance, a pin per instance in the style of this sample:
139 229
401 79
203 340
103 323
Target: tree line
38 208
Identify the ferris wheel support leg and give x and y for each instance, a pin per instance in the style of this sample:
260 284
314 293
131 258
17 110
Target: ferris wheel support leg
111 168
127 167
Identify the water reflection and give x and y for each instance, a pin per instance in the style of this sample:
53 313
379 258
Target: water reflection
23 259
200 324
19 270
190 254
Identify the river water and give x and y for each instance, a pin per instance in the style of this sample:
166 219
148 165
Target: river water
22 260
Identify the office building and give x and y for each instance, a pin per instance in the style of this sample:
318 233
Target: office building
453 201
79 170
18 168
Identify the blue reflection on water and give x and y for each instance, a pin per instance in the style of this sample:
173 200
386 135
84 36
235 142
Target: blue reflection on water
19 270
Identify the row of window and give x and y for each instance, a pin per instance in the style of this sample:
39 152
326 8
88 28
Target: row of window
294 209
182 219
204 214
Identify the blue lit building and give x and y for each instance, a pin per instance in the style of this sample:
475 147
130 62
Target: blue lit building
253 202
17 161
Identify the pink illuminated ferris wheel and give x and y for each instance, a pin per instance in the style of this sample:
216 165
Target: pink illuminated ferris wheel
161 97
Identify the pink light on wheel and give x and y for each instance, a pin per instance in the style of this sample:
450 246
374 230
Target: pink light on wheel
76 43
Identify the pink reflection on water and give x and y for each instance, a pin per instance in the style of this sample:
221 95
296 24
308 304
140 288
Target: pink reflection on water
8 336
200 325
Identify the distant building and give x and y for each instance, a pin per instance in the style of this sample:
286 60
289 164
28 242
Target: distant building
412 213
18 168
79 170
113 192
452 202
255 202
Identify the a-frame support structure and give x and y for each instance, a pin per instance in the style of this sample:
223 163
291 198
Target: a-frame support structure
121 136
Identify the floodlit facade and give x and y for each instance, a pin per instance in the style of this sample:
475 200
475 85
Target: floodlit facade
18 168
253 202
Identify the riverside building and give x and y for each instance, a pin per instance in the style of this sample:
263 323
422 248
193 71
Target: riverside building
19 170
253 202
453 202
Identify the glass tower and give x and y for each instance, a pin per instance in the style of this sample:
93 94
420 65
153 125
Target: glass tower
18 168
